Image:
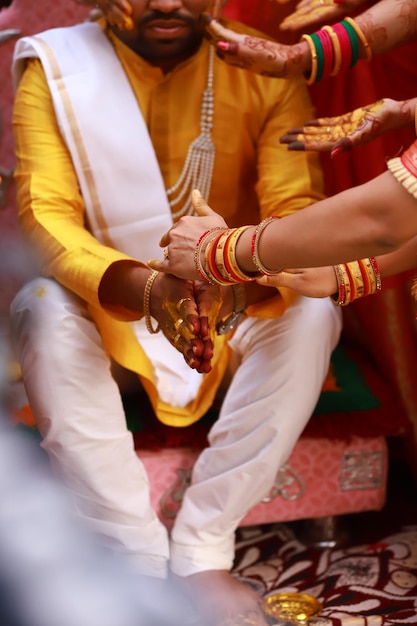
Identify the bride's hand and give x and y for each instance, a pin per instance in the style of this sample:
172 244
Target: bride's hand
310 12
313 282
181 240
259 55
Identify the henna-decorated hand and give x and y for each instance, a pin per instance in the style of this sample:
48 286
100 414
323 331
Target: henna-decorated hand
318 12
258 55
313 282
341 133
181 240
117 12
187 313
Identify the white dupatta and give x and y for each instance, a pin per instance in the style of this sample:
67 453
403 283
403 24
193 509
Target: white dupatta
118 173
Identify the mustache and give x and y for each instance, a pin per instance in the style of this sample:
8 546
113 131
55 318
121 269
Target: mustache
159 15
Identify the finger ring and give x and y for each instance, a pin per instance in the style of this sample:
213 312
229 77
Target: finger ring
179 322
328 129
181 302
166 253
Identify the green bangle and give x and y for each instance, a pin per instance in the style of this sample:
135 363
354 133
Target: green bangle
320 56
354 42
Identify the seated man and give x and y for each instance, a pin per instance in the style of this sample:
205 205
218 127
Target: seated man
113 130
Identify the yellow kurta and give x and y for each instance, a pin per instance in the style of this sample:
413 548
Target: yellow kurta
254 176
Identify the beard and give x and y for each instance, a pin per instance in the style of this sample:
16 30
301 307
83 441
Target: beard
155 49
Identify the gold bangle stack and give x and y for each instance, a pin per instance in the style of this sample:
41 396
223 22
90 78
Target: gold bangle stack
215 257
356 279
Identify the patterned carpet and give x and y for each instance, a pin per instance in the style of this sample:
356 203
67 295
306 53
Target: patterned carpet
366 585
370 581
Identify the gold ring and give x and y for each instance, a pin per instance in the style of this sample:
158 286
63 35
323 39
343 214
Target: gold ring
179 322
165 254
181 302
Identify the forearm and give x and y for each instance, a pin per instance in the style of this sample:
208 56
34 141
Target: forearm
402 260
373 219
121 289
388 25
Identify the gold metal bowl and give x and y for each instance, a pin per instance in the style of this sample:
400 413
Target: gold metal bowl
294 607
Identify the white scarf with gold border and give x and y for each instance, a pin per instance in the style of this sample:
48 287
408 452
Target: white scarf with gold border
86 80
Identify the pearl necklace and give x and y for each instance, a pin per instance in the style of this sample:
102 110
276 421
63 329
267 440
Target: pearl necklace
198 167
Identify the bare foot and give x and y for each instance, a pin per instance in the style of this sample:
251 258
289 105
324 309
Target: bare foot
222 600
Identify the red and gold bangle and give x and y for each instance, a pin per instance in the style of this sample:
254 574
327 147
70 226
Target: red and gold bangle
343 295
368 276
356 279
211 268
311 78
198 251
361 36
345 45
375 267
229 257
218 256
255 246
337 50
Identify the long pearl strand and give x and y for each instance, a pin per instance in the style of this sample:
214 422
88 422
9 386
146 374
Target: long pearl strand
198 167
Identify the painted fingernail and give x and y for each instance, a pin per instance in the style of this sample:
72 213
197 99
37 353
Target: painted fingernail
223 45
336 151
296 145
128 23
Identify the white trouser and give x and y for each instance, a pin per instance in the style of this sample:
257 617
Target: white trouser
79 412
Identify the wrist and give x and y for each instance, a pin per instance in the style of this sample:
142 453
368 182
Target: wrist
302 59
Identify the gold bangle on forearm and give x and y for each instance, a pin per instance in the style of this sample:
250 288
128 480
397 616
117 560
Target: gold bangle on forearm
146 303
310 79
255 246
356 280
361 37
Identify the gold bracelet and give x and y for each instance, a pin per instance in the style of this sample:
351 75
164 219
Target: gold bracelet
361 37
314 62
255 246
146 301
230 252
